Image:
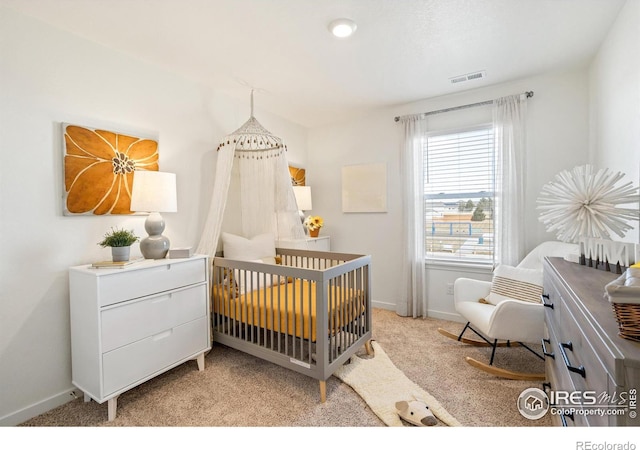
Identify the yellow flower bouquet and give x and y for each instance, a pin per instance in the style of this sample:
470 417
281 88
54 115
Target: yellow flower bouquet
313 224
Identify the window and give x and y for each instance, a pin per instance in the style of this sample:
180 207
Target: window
459 196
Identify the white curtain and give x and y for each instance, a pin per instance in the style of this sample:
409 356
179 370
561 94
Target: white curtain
267 202
213 225
413 301
509 132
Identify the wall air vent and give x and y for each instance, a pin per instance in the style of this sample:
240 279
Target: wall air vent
458 79
468 77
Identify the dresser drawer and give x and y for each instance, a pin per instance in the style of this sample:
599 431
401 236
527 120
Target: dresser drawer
553 301
557 373
128 322
581 356
559 378
143 359
140 282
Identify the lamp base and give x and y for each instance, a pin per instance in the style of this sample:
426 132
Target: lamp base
154 246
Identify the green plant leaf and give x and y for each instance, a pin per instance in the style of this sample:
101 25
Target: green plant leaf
118 238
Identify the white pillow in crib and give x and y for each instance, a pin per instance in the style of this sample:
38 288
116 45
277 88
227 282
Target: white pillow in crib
243 249
260 248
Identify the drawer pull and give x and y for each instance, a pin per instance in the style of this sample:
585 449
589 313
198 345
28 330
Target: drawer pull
164 268
564 416
546 387
579 370
162 298
544 349
164 334
544 297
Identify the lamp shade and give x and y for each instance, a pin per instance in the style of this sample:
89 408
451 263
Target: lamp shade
303 197
154 191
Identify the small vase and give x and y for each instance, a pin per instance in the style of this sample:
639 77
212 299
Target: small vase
314 233
119 254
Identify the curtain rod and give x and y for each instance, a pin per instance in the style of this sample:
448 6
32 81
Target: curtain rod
429 113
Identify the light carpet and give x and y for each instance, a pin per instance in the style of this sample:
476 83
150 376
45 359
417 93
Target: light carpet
381 384
239 390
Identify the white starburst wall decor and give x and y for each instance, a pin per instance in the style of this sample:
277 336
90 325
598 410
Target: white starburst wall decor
583 203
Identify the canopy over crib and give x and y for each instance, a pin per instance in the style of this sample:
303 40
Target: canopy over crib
251 171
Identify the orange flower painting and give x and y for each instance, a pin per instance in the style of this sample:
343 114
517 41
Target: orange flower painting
99 166
298 176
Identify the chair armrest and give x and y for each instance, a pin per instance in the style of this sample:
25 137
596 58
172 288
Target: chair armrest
470 290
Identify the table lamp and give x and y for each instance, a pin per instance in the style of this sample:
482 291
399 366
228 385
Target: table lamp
154 192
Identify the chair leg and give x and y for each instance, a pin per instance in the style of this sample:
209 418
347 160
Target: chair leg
463 330
493 351
481 336
532 351
490 368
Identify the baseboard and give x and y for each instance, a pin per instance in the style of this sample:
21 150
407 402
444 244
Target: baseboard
31 411
383 305
453 317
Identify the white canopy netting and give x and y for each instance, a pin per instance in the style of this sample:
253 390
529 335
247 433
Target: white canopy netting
252 192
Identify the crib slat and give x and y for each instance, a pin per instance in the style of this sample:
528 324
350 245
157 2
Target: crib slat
310 323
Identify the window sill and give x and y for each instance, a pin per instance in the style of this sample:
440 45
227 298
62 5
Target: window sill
466 266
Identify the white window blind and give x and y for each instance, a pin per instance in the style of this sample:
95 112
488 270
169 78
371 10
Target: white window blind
459 196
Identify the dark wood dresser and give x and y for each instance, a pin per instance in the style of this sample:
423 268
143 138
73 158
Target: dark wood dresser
584 356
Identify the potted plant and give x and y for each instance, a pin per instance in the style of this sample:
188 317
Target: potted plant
120 242
313 224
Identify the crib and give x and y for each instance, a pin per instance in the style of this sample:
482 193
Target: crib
310 311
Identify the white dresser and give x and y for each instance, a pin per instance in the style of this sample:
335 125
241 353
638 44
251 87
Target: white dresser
129 325
320 243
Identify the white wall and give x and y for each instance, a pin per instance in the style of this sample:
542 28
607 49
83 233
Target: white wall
48 77
557 139
615 101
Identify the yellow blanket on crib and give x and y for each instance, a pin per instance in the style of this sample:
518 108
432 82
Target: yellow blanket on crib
289 308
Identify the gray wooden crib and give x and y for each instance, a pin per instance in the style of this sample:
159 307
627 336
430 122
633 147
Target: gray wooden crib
309 312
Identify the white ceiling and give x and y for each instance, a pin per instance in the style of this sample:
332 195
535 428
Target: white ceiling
402 51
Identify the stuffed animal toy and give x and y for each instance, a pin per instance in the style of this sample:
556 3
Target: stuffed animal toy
416 413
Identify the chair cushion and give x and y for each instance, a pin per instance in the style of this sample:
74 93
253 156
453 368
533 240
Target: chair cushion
515 283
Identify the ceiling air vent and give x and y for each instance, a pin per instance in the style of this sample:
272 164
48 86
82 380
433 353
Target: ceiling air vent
468 77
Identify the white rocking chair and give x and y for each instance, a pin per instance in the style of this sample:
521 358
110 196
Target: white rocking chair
505 321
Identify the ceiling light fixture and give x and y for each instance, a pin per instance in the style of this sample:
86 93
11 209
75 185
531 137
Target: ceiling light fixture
342 28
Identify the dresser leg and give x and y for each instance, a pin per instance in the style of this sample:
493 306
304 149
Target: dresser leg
87 399
112 405
200 360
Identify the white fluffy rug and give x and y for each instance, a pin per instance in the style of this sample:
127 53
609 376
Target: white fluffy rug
381 384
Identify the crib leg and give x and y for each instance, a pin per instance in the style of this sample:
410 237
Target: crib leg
323 391
369 348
